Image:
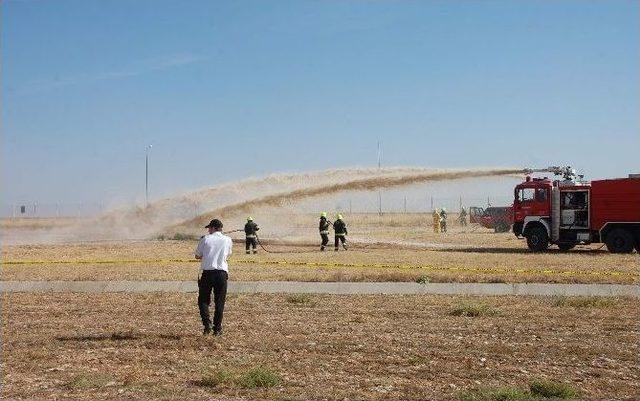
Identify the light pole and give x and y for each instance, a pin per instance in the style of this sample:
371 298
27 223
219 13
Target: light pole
146 175
379 166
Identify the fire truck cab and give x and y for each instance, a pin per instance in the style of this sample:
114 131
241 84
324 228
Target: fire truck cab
571 211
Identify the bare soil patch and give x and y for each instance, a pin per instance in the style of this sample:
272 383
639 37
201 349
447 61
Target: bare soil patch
149 346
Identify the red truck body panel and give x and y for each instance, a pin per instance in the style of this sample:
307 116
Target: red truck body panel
614 201
497 215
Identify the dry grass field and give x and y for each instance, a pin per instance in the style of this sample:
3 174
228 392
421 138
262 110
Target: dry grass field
404 243
149 346
132 263
300 347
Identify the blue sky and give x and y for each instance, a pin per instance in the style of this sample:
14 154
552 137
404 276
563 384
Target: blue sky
230 89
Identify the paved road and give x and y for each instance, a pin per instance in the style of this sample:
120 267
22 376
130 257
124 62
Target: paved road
536 289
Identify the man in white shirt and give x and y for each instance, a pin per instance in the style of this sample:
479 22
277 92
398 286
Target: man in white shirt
213 251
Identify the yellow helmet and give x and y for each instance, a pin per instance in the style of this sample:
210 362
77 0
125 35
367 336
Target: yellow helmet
339 216
323 214
249 218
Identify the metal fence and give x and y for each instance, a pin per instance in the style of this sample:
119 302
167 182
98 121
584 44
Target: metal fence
395 203
60 209
372 203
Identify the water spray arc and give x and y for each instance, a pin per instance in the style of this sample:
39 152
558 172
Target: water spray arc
360 184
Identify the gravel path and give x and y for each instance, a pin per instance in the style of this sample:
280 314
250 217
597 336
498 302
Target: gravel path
536 289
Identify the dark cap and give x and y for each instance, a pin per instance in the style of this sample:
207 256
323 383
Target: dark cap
215 223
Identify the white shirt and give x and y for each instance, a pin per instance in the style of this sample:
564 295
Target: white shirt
214 249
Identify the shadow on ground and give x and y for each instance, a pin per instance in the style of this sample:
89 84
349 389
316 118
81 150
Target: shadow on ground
520 250
118 336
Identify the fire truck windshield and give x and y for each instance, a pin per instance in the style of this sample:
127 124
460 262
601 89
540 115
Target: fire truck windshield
525 194
531 194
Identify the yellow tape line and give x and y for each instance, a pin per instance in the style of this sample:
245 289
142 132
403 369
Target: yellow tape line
91 262
329 264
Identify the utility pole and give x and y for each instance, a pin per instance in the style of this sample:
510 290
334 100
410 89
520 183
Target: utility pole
405 205
146 175
379 167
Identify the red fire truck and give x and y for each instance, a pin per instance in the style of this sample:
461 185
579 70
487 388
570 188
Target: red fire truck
571 211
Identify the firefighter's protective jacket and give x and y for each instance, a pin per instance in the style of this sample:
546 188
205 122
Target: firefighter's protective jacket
340 227
324 225
250 229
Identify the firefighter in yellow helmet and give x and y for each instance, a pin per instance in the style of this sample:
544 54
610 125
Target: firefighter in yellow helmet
436 221
324 230
250 233
443 220
340 230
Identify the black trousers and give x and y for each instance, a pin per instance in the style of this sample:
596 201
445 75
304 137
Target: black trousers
325 240
250 242
215 280
339 238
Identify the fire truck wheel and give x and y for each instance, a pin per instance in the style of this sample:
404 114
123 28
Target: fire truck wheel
537 239
566 246
620 240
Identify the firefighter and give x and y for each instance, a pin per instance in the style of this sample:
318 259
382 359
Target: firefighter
324 230
436 221
443 220
340 229
462 217
250 232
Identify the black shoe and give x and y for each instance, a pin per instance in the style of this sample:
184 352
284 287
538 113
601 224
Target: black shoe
255 252
322 249
336 249
217 332
345 247
206 331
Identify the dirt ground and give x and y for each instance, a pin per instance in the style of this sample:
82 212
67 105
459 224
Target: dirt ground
149 346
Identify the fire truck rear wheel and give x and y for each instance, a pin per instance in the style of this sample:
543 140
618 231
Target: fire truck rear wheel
620 240
537 239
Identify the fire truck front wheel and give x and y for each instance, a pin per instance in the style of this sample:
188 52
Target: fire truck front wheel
620 240
537 239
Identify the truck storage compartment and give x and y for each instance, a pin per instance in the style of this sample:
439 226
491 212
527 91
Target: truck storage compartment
615 201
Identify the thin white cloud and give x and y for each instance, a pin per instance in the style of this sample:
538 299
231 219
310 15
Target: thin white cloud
135 69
